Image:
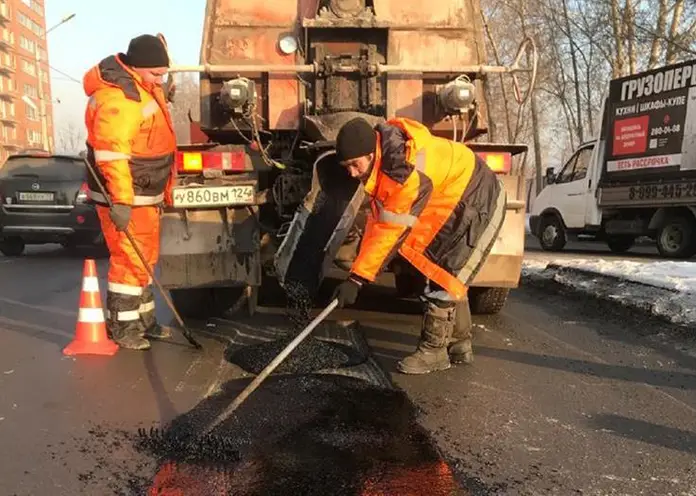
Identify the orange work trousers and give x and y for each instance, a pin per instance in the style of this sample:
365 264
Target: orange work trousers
127 275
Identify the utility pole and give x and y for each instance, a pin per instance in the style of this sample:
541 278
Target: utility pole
42 100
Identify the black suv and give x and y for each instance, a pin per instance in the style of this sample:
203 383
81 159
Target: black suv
43 200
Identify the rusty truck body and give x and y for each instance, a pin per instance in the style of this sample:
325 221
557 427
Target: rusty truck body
277 80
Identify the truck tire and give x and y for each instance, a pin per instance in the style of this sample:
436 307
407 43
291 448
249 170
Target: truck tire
677 237
552 234
12 247
203 303
487 300
620 243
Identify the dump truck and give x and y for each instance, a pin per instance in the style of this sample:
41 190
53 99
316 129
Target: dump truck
637 178
259 195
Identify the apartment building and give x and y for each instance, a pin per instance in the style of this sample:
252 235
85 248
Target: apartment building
26 112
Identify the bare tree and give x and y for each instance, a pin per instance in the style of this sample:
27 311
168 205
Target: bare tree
71 139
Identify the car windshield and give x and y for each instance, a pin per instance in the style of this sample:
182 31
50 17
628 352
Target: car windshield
47 168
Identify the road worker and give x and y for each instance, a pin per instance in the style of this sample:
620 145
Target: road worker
436 204
131 145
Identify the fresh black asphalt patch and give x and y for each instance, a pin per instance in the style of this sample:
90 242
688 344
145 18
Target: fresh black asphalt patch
307 435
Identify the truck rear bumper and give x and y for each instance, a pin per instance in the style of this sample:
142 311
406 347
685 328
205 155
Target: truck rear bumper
504 264
210 248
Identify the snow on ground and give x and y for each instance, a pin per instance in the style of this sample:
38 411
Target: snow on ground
675 276
666 289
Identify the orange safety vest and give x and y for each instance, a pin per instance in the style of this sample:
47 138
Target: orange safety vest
130 136
432 200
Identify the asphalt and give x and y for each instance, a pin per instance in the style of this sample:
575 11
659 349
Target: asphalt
561 399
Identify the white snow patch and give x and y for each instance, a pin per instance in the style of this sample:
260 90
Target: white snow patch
665 289
675 276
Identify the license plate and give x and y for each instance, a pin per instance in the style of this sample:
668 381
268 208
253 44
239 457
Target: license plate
215 196
36 197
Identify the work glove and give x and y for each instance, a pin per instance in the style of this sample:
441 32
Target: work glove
120 216
347 292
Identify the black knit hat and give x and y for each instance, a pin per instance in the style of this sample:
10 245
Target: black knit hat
356 138
146 51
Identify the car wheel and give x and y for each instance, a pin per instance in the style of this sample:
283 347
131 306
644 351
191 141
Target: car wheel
12 247
677 238
552 235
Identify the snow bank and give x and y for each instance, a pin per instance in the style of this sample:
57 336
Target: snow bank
665 289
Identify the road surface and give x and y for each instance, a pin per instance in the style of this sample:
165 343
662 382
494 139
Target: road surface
560 400
642 252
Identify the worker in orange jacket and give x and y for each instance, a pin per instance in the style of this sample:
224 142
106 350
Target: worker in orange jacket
438 205
131 145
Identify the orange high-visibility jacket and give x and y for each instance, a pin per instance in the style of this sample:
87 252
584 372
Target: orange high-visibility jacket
432 199
130 136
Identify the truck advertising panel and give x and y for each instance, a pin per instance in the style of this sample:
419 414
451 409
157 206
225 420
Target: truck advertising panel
651 124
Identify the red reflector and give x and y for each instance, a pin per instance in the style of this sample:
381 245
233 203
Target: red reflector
499 162
189 162
80 219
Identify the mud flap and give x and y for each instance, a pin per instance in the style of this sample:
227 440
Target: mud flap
320 225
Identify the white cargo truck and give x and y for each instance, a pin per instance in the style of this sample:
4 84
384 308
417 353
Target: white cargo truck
638 178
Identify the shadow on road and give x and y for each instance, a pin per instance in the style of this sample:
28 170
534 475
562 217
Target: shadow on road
623 373
647 432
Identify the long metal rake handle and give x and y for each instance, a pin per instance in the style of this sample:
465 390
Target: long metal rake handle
270 368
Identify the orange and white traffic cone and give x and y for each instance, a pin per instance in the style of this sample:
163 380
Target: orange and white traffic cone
90 332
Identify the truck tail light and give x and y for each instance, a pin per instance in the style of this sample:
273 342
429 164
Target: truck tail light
498 162
192 162
81 196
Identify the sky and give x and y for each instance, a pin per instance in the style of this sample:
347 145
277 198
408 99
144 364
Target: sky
100 29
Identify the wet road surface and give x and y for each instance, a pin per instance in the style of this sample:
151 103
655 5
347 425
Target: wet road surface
559 401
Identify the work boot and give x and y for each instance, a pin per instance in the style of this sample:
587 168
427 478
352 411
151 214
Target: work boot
460 349
153 329
123 321
431 354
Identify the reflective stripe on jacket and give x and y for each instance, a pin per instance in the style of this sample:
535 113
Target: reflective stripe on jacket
432 200
130 136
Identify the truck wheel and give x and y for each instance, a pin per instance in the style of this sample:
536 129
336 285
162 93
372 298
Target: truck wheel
552 235
487 300
192 303
203 303
620 244
12 247
676 238
408 284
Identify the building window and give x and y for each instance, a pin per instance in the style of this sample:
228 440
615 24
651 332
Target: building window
8 36
30 90
29 24
27 44
33 136
29 68
31 112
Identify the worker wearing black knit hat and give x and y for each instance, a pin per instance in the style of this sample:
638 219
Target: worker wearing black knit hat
146 51
437 205
130 149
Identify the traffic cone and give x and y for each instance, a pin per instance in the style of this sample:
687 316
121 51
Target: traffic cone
90 332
